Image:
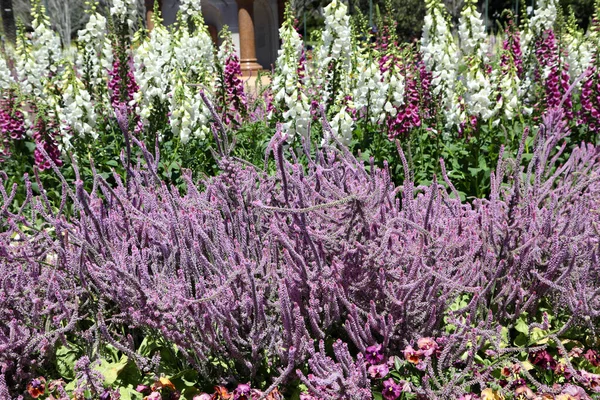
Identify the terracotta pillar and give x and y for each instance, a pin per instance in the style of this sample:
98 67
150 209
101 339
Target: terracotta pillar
246 29
214 35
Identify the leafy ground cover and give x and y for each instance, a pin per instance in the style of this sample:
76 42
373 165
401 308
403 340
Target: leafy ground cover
380 221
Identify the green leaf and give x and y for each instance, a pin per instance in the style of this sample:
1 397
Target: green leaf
111 371
129 393
65 360
521 340
522 326
30 146
397 362
148 346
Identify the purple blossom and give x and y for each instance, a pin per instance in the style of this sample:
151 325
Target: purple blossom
593 357
261 267
391 390
45 134
374 354
242 392
511 49
378 371
543 359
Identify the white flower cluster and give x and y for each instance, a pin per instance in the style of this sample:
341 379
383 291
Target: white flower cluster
336 46
440 55
95 56
125 11
544 16
342 125
38 58
190 9
193 53
337 34
287 85
193 62
471 32
370 93
5 75
508 86
394 81
189 115
153 59
78 115
580 55
478 94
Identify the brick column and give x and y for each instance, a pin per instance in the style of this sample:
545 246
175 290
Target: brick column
214 34
247 46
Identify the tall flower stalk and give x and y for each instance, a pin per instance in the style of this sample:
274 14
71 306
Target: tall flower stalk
229 90
289 98
440 53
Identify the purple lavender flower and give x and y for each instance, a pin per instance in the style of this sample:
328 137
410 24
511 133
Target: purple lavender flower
106 395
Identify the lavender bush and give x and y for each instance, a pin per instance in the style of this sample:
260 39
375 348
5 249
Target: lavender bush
246 271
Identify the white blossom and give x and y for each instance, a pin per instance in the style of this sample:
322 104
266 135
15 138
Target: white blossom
440 55
287 86
125 11
95 56
38 57
478 94
370 93
342 125
580 54
334 51
190 8
471 31
189 115
6 79
78 116
544 16
153 60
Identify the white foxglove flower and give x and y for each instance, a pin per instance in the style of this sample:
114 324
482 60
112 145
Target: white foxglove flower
95 52
287 86
580 54
334 51
78 116
544 16
440 55
190 9
6 79
342 125
370 93
153 59
193 53
479 96
38 59
124 11
471 31
189 115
